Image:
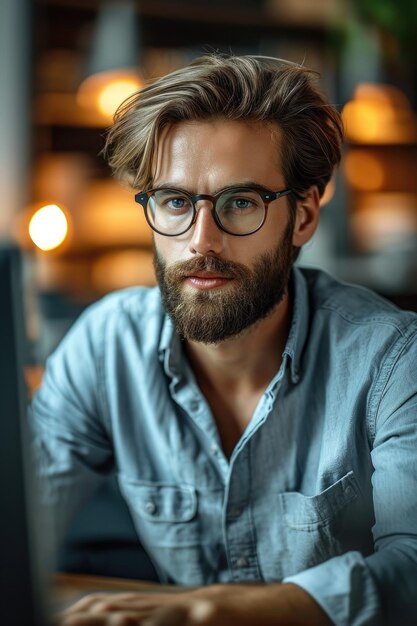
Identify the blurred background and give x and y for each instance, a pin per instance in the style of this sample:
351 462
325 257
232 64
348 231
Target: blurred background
67 64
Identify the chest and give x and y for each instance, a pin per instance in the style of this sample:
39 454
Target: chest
232 412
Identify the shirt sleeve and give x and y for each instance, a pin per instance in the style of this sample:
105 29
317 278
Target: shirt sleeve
381 588
71 443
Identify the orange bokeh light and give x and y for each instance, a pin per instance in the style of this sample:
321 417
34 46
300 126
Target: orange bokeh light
363 170
379 114
48 227
105 91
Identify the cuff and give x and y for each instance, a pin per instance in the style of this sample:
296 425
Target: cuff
344 588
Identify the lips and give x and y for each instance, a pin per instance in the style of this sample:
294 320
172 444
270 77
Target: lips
207 275
206 280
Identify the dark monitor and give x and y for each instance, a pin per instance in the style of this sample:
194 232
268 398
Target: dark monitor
20 579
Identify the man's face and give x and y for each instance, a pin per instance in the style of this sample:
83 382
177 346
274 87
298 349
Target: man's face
215 285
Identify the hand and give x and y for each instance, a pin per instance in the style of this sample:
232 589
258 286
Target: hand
216 605
116 609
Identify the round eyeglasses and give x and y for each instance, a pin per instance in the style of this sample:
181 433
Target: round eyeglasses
237 211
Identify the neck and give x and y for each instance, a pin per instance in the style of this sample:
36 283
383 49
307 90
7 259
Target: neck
250 359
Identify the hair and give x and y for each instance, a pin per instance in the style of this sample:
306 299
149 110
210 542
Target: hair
246 88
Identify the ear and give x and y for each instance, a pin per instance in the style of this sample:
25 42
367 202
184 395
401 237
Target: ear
307 217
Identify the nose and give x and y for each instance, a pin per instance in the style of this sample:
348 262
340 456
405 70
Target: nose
206 235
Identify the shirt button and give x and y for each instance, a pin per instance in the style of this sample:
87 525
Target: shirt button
214 450
242 562
194 405
234 513
150 507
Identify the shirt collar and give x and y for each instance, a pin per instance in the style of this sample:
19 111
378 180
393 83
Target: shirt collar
170 349
299 325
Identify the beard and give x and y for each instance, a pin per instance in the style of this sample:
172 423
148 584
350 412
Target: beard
215 315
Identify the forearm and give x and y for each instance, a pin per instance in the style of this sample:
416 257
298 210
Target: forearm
263 604
215 605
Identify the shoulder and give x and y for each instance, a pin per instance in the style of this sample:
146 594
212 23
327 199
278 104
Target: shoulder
135 310
131 301
349 305
365 340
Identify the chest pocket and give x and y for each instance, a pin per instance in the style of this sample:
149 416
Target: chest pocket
165 503
163 513
317 528
166 519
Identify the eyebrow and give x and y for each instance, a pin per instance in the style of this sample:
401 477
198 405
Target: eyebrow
240 183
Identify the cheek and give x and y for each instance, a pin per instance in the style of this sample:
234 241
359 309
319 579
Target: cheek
170 249
256 245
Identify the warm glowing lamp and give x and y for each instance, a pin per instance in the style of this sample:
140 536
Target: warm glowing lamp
112 74
379 114
107 90
115 92
48 227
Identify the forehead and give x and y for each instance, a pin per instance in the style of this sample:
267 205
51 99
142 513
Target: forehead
216 152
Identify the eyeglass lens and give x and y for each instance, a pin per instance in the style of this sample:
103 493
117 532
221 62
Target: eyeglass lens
239 211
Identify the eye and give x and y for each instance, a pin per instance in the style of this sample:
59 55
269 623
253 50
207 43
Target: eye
172 201
241 203
176 203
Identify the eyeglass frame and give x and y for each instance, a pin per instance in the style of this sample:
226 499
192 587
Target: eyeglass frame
267 196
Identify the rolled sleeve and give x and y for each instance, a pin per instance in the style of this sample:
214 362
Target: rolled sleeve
344 588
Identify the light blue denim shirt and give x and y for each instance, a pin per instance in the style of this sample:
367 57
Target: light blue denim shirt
321 489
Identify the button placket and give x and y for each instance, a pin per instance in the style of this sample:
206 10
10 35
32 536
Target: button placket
234 513
238 525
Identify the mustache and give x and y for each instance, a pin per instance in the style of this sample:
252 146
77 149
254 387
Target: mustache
209 263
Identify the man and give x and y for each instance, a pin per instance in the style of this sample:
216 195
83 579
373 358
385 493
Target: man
260 417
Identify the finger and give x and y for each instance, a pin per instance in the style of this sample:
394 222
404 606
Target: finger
107 603
80 619
122 618
141 606
85 603
90 600
143 603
